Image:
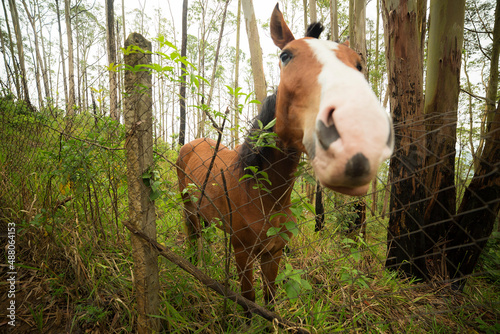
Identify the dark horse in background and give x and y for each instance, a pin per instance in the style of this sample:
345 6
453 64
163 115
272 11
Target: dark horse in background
323 107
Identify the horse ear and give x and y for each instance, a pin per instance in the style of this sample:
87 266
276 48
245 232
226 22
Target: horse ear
280 33
346 43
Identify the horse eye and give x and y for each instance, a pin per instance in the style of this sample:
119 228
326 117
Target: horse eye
359 67
285 57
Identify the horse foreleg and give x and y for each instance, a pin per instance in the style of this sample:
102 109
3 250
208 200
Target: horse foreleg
244 265
193 231
269 263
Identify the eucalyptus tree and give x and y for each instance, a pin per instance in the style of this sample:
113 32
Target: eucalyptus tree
404 26
30 13
111 48
15 69
260 86
70 103
20 49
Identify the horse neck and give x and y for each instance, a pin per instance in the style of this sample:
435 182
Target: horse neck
280 168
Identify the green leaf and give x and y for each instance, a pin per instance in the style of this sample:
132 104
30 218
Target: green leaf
273 231
253 169
155 185
154 195
270 124
296 211
285 236
246 176
356 255
292 227
292 289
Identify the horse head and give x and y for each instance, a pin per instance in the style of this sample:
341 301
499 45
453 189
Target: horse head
326 108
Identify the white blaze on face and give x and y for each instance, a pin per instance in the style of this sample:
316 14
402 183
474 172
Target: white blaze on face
348 107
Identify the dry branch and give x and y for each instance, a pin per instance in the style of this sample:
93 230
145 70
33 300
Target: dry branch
216 286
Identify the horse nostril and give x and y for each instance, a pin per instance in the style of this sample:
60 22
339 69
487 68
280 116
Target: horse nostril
329 117
357 166
326 134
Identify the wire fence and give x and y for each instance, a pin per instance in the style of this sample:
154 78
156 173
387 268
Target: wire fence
65 203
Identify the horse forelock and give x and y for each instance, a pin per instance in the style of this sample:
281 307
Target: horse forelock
314 30
249 154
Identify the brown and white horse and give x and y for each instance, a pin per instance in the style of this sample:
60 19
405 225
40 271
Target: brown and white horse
323 107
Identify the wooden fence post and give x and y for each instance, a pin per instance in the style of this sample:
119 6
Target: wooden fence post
139 146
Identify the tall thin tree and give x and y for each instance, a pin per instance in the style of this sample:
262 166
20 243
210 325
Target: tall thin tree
39 61
236 77
312 11
12 52
70 106
357 30
110 43
20 49
255 50
61 52
334 20
182 90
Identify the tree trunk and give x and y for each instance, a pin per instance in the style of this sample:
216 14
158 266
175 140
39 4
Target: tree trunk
5 62
255 50
404 35
110 42
20 49
446 28
182 91
46 64
492 89
376 86
79 65
12 52
139 148
236 113
374 208
61 50
123 22
214 70
39 61
478 210
319 208
202 48
334 20
480 204
119 74
357 30
304 3
312 11
70 108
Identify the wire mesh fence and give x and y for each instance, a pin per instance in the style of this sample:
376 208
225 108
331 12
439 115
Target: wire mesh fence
65 201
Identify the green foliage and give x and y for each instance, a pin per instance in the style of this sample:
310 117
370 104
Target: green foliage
151 179
289 226
260 178
293 283
489 261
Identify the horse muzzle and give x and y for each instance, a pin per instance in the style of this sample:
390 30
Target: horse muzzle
347 148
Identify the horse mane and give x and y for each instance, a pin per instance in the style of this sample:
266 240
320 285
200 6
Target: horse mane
314 30
249 154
